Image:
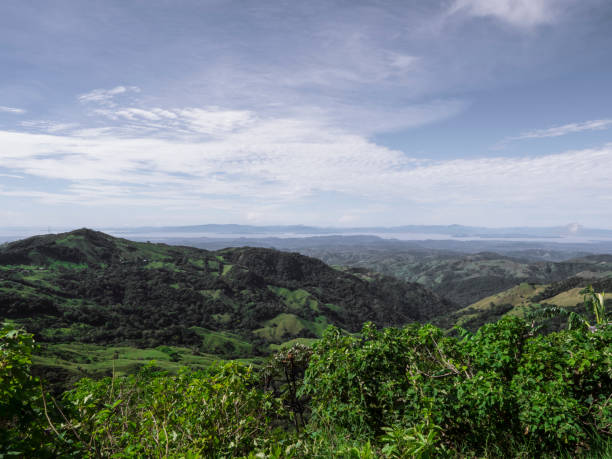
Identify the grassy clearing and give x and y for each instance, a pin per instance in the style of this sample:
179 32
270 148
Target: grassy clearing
199 263
296 300
516 296
281 327
213 265
222 342
333 307
162 265
285 326
40 281
96 360
19 268
570 297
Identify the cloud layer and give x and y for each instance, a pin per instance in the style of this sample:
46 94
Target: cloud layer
257 168
319 112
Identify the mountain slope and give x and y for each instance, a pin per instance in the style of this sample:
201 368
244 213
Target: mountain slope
525 297
464 278
86 286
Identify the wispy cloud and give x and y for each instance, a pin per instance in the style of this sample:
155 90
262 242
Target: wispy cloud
12 176
106 96
571 128
206 121
519 13
136 119
48 126
16 111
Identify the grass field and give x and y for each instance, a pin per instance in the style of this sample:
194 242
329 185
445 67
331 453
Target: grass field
92 360
519 295
288 326
97 360
296 300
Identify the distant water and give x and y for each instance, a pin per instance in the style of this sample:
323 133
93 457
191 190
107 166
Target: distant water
574 239
12 234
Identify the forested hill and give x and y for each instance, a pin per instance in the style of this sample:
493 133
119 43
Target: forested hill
464 278
87 286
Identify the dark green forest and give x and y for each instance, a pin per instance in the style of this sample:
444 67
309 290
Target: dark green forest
83 289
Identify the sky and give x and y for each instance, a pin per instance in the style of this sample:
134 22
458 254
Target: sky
331 113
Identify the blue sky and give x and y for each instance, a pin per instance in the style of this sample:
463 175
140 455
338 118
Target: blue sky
346 113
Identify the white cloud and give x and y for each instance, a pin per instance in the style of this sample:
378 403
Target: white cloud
520 13
270 166
106 96
571 128
210 121
402 61
16 111
213 121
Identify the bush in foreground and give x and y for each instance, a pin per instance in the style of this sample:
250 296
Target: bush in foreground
410 392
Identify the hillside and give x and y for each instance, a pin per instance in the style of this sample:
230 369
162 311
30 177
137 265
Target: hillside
524 298
465 278
86 287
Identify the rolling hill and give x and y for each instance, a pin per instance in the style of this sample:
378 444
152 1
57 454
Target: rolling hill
116 298
524 298
464 278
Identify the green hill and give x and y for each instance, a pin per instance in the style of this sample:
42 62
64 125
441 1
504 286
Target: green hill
86 287
526 297
464 278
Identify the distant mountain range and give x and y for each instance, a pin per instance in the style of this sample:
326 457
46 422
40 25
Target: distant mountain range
456 231
413 232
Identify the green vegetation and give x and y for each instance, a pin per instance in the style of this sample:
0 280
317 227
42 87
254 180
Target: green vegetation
398 392
87 288
463 278
564 298
136 337
296 300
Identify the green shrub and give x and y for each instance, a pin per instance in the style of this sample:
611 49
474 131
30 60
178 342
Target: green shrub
501 389
220 412
23 426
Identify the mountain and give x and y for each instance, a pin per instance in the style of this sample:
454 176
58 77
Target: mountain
91 288
459 231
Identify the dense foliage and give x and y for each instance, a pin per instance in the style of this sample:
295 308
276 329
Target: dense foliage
218 412
89 287
464 278
23 425
409 392
497 390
